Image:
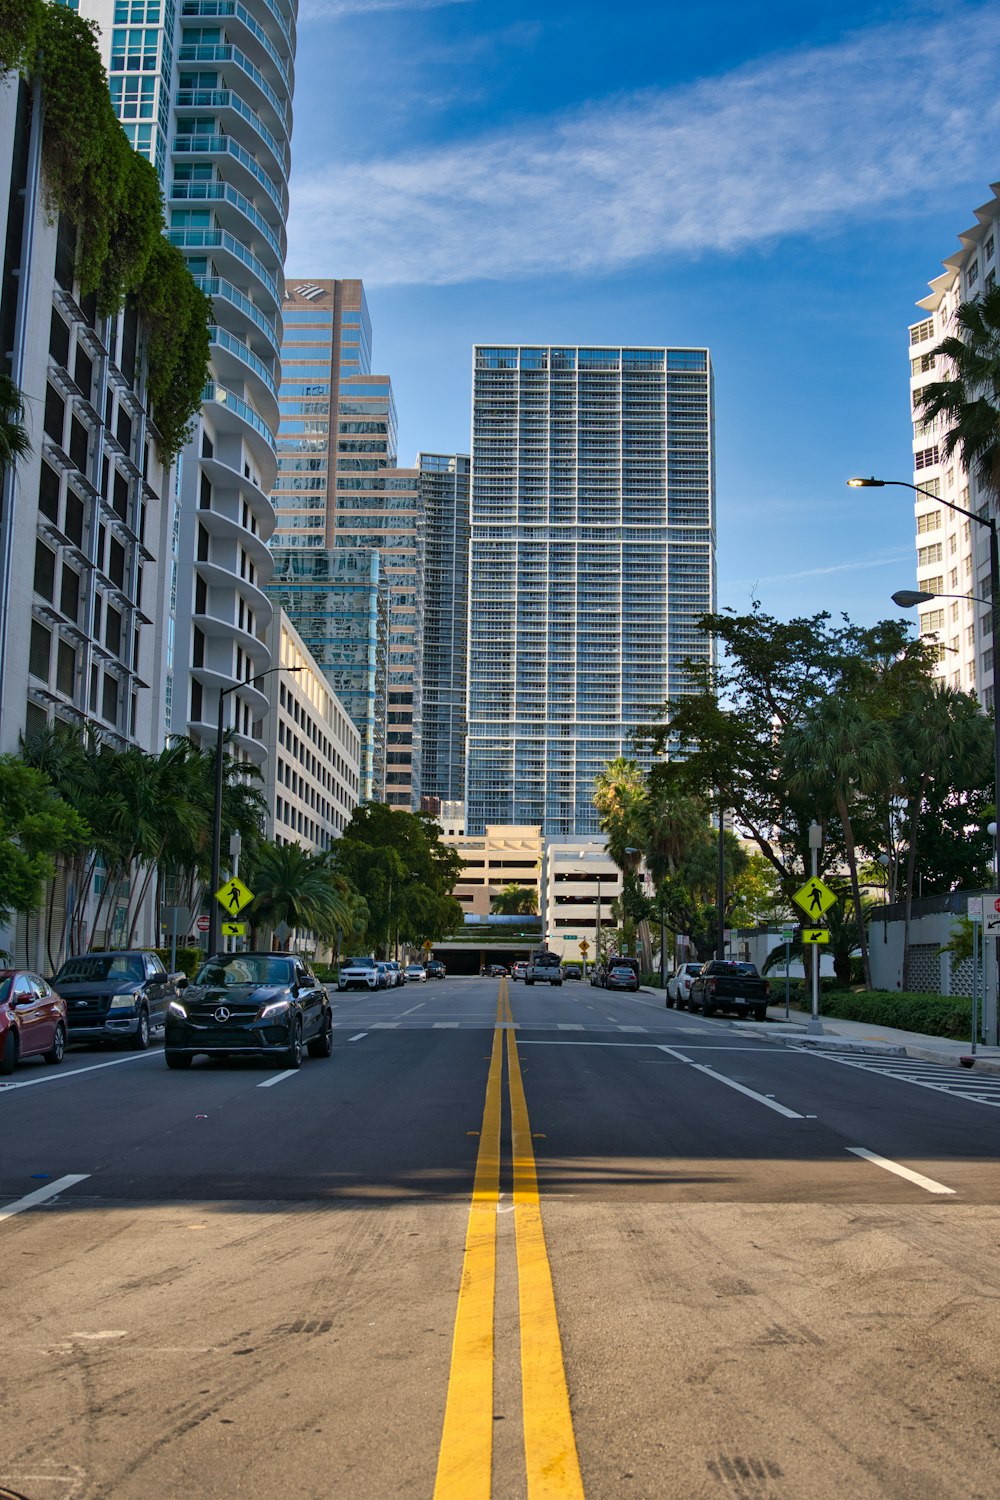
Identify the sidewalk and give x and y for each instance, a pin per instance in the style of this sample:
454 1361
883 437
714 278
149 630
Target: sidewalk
860 1036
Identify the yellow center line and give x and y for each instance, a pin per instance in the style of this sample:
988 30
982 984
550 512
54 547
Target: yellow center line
465 1460
553 1468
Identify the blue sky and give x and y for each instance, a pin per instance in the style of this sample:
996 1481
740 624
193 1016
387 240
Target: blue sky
779 182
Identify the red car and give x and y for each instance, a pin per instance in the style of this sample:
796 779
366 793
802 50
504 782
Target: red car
32 1019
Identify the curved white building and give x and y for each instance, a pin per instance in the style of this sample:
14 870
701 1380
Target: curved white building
204 88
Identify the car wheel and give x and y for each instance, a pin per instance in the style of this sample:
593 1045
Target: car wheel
322 1045
141 1039
178 1059
669 1002
8 1057
707 1009
529 982
292 1057
57 1051
760 1013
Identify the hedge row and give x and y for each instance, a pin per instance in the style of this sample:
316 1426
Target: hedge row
932 1015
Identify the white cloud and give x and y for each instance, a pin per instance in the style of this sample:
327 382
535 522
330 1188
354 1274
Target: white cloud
316 10
884 560
792 145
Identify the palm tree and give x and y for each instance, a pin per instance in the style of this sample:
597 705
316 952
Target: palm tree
515 900
297 887
970 400
14 441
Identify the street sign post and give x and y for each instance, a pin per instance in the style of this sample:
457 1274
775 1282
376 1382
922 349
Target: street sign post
234 896
815 897
815 934
203 924
234 929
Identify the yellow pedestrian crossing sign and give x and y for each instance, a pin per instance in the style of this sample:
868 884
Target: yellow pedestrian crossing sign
234 896
815 934
234 929
815 898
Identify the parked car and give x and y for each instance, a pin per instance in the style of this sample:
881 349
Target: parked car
519 969
395 972
679 985
359 974
598 975
735 987
32 1019
415 974
116 997
250 1005
435 969
572 971
497 971
621 977
386 978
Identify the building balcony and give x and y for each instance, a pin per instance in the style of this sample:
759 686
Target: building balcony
234 311
235 116
242 26
215 628
259 91
232 258
230 413
232 210
224 477
234 360
218 524
236 164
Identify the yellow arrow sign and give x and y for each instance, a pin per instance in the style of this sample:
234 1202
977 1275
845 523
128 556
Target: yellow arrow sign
234 929
234 896
815 934
585 946
815 898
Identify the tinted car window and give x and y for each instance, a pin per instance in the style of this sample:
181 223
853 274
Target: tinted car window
94 968
243 968
5 985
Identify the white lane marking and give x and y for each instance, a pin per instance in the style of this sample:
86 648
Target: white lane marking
59 1075
413 1008
633 1028
358 1037
613 1018
446 1025
278 1078
40 1194
781 1109
569 1026
384 1025
927 1183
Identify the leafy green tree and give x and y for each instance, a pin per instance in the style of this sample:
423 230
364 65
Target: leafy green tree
14 441
756 895
300 888
513 900
398 863
36 826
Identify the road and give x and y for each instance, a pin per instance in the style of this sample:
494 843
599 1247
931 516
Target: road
676 1278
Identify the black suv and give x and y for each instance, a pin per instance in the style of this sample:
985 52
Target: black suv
435 968
116 996
250 1005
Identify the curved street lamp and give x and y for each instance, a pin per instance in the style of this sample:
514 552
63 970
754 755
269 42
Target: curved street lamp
907 598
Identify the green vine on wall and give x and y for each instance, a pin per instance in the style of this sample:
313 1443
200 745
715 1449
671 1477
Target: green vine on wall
112 195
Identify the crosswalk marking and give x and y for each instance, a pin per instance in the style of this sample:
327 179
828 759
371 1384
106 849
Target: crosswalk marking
446 1025
569 1026
632 1028
926 1075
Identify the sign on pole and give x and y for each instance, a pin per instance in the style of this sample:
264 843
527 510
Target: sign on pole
991 915
974 909
234 896
234 929
815 897
584 947
203 924
815 934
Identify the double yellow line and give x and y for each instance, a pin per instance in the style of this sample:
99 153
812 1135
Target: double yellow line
465 1460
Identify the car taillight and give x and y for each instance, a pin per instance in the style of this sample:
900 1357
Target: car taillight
767 987
712 983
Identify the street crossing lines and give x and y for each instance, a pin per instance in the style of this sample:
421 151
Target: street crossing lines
926 1075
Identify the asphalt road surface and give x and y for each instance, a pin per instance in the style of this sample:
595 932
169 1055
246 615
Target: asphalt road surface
527 1244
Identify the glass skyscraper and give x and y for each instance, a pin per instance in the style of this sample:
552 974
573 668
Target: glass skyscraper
338 486
592 556
444 489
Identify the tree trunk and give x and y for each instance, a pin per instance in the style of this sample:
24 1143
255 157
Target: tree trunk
852 865
911 865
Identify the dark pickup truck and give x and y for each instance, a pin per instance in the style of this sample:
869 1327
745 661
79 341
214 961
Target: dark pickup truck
724 985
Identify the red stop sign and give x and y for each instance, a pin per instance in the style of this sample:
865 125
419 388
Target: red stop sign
996 904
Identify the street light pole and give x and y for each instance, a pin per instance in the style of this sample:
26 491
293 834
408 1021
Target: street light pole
994 603
213 915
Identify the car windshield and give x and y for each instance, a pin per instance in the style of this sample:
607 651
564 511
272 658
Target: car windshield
414 968
360 963
95 968
246 968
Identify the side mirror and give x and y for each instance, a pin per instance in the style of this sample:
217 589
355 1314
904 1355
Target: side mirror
181 980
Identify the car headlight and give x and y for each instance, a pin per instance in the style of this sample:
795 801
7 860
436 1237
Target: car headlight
175 1008
276 1008
122 1003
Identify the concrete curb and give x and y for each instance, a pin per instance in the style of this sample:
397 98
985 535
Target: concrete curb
783 1035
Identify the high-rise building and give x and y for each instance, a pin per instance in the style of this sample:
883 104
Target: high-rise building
952 553
204 88
592 556
444 489
338 486
338 600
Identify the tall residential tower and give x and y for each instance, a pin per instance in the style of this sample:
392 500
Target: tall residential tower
592 558
444 489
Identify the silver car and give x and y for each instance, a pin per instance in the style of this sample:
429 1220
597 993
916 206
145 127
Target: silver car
679 985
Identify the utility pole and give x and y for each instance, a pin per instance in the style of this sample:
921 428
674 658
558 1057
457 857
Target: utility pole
815 1025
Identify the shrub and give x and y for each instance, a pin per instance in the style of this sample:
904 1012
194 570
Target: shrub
188 960
932 1015
326 973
